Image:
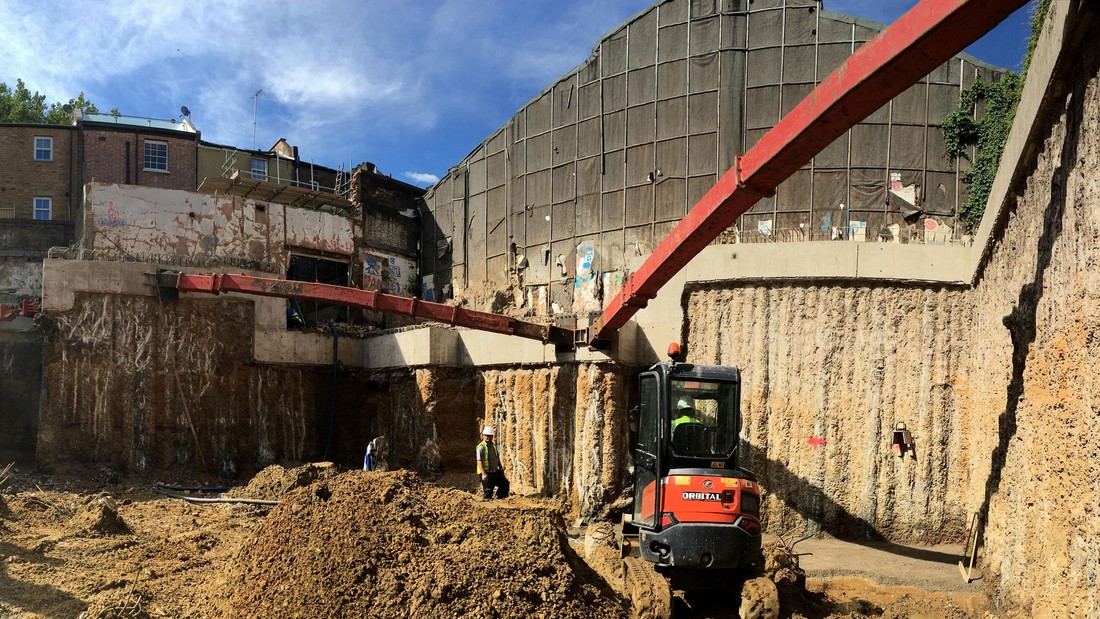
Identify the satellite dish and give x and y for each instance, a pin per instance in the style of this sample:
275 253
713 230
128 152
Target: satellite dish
67 108
185 111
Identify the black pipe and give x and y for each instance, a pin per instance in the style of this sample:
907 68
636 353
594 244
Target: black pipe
158 488
332 412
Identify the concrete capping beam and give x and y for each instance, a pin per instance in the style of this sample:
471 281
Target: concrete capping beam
444 346
412 348
662 320
1042 90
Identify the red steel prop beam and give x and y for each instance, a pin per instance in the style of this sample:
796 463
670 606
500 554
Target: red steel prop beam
924 38
26 308
365 299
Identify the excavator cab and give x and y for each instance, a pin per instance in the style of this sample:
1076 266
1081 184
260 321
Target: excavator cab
694 509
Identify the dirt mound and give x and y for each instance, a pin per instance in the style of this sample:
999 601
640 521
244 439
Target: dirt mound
275 481
390 545
99 515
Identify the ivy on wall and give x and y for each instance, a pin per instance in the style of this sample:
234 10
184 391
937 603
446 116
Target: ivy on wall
989 133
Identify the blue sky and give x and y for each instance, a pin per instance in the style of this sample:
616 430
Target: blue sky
410 85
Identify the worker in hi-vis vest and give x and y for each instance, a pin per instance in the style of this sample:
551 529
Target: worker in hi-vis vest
685 413
488 466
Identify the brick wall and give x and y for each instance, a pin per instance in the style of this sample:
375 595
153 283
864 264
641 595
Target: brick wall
383 200
105 158
22 238
22 178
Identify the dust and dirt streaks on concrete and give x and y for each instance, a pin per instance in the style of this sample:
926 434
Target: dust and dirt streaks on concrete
149 387
143 221
828 371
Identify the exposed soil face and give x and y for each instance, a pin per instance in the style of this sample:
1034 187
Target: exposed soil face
146 387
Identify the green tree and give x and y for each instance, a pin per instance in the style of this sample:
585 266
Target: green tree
988 134
20 105
58 116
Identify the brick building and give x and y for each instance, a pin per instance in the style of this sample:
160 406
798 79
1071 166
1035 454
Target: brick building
38 172
138 151
280 164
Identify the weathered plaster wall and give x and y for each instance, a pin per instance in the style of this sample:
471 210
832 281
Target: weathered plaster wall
20 279
389 272
146 222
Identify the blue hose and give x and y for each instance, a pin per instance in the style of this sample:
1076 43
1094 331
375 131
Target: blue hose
160 489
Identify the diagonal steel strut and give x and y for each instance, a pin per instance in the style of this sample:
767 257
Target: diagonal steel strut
928 35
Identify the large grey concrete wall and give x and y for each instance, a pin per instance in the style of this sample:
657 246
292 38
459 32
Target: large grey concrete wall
600 166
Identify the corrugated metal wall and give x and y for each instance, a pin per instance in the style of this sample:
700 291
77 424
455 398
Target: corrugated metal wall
615 152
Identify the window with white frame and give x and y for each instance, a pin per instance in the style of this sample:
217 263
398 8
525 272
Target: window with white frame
43 148
43 208
156 156
259 169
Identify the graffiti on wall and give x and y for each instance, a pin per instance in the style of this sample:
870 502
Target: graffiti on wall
389 274
586 284
113 219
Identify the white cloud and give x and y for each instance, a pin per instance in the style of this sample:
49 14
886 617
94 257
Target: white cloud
344 80
423 178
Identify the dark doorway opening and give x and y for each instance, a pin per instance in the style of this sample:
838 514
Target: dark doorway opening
321 271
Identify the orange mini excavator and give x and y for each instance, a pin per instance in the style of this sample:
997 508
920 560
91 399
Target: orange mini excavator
696 513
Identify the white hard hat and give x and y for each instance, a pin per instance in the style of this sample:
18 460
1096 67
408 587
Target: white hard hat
488 431
683 403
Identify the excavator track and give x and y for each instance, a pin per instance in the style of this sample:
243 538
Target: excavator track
649 592
759 599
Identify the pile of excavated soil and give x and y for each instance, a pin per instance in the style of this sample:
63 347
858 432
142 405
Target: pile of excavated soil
366 544
275 481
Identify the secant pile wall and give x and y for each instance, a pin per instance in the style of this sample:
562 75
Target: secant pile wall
141 386
1034 365
561 429
828 371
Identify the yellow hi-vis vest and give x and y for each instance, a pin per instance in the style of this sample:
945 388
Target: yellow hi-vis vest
489 456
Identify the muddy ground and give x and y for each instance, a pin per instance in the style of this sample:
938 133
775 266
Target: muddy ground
337 544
